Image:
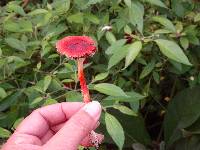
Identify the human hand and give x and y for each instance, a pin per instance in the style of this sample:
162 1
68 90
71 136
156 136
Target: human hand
60 126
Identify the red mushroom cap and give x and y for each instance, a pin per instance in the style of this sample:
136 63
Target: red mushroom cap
76 46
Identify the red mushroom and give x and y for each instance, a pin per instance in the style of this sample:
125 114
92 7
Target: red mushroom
78 47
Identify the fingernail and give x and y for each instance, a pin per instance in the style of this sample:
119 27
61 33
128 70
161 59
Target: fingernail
93 109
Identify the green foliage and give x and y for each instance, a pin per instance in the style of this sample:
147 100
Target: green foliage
148 52
100 76
165 22
183 113
115 130
132 53
4 133
109 89
172 51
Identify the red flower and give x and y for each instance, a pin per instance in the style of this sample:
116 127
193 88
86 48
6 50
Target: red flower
76 46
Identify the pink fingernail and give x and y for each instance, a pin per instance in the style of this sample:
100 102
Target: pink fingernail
93 109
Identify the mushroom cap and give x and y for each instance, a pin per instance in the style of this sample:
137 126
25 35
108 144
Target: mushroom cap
76 46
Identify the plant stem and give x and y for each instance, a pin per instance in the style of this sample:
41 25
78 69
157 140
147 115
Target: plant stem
84 88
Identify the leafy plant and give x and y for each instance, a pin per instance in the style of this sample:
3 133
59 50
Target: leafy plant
148 56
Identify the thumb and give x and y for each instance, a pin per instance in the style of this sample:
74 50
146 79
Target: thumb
76 128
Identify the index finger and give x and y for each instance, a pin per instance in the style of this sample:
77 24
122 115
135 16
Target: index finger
39 121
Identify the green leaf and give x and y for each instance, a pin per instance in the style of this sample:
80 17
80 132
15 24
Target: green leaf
132 97
127 30
92 2
128 3
19 26
49 101
16 44
55 85
133 51
135 106
61 6
156 77
184 42
25 26
194 128
2 93
147 69
162 31
118 56
37 12
0 53
115 46
47 81
7 119
10 100
157 3
197 17
35 102
178 7
179 27
165 22
109 89
67 80
136 13
4 133
115 130
182 112
110 37
92 18
190 142
73 96
100 76
45 20
54 56
39 65
120 23
125 110
17 122
16 8
172 51
77 18
16 62
134 128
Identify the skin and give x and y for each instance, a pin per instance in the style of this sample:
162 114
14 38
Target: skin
60 126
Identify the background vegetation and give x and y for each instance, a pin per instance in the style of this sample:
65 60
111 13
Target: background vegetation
145 74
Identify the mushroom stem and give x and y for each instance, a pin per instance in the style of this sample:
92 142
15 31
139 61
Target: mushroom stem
84 88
